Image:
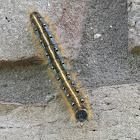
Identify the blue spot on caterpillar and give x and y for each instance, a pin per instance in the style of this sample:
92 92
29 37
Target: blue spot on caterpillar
75 98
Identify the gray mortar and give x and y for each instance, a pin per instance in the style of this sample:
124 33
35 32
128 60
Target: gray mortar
106 61
26 85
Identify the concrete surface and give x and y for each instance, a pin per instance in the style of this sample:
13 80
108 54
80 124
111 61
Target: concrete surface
134 26
93 35
116 116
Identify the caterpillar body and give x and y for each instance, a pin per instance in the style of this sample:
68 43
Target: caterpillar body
74 97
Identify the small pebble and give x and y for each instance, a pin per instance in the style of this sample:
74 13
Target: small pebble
97 36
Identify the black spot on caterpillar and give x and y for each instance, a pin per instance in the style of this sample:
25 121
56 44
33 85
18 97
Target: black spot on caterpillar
74 97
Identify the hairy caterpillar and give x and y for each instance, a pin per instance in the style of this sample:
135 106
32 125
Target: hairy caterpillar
74 97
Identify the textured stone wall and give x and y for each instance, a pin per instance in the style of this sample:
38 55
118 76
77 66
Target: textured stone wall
96 36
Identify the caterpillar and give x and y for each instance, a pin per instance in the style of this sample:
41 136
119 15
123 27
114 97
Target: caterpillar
74 97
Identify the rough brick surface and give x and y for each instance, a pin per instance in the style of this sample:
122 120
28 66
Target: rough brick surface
116 116
134 26
16 38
